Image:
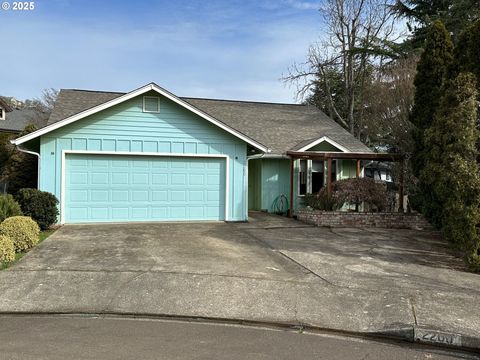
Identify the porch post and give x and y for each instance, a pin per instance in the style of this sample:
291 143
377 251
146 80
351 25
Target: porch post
329 176
358 168
290 208
401 186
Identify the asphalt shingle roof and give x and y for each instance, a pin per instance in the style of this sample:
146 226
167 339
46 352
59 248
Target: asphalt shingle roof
281 127
17 119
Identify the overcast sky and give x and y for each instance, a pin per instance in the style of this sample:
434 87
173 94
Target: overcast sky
221 49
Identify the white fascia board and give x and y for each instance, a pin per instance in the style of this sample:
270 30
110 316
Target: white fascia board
326 139
131 95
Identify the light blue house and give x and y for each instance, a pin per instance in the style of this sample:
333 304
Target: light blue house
149 155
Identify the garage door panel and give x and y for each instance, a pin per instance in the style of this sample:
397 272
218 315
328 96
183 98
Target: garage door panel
108 188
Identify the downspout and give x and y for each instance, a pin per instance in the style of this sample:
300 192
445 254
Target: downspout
38 163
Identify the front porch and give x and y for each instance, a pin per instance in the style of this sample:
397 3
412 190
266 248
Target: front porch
278 184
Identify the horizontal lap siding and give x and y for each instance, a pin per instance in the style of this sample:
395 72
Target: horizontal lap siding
125 128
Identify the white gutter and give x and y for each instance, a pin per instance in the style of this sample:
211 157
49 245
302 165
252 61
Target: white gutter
31 153
267 156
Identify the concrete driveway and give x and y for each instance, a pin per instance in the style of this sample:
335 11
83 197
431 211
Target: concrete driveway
270 269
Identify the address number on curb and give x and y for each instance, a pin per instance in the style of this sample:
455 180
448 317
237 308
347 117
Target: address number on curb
436 337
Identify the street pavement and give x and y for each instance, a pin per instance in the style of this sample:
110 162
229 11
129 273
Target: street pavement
64 338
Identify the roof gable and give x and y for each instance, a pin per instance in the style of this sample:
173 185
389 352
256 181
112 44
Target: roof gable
323 144
280 127
122 98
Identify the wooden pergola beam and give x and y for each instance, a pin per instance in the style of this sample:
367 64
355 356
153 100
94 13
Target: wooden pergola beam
329 177
342 155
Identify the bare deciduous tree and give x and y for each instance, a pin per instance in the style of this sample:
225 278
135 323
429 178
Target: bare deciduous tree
357 37
388 100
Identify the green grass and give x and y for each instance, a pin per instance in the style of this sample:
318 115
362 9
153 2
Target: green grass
43 235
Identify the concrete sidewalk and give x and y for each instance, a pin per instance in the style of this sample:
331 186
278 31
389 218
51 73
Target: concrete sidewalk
404 284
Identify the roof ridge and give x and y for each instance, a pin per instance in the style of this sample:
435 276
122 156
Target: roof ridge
241 101
195 98
96 91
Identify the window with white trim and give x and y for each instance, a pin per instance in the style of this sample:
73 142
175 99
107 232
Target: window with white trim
302 177
312 175
151 104
2 113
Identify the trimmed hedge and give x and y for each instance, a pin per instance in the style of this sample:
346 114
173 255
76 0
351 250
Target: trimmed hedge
23 231
9 207
7 249
41 206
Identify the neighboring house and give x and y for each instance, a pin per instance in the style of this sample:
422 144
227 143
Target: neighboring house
13 120
149 155
379 171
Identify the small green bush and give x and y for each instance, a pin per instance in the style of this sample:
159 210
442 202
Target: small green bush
41 206
23 231
7 249
9 207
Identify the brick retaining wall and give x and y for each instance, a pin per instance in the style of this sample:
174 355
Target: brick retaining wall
389 220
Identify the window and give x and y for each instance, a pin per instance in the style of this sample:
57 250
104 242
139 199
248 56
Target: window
312 176
302 178
151 104
317 175
2 113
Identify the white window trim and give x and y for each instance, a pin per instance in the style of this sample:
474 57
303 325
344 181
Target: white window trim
298 178
2 115
158 104
123 153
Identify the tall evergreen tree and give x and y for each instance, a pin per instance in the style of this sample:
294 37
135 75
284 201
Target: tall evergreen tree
420 14
19 169
431 72
467 52
450 179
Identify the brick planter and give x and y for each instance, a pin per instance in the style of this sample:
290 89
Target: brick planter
389 220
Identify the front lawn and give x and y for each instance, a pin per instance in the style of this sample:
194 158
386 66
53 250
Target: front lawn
43 235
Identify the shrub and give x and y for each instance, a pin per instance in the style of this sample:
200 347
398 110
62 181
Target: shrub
22 230
41 206
7 249
321 201
9 207
361 190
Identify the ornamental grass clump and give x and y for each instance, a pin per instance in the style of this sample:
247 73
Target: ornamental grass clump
22 230
7 249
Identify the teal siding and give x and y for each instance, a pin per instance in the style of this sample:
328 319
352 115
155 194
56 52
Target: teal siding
125 128
275 181
267 180
348 169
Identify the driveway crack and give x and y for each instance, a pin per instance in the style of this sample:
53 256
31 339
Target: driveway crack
285 256
411 300
305 268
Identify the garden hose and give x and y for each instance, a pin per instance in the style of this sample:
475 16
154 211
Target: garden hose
280 205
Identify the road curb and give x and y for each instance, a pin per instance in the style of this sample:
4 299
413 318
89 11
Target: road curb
447 339
406 333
